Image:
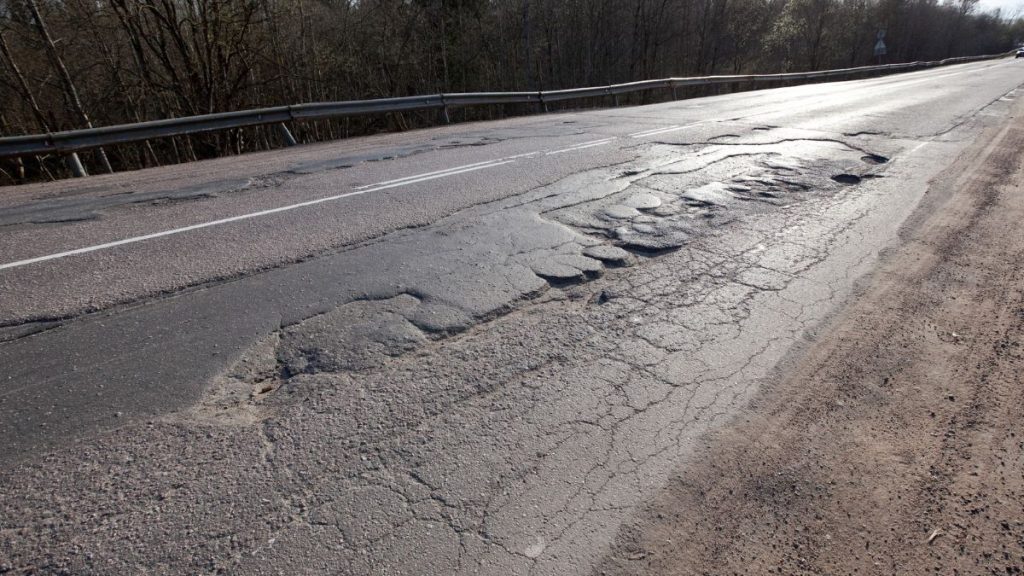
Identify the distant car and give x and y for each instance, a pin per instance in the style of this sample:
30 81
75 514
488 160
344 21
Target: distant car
1020 53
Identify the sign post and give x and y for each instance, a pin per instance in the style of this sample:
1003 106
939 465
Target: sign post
880 48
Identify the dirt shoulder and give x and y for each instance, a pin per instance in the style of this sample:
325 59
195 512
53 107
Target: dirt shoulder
895 443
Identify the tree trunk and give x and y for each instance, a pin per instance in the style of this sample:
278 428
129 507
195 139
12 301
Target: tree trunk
26 95
26 92
69 85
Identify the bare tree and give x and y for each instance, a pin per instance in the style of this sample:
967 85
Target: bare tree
69 85
80 62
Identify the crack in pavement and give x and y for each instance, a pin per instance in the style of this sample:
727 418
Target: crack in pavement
409 428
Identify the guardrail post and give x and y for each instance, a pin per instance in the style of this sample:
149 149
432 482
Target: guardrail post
444 111
675 93
543 104
75 165
286 134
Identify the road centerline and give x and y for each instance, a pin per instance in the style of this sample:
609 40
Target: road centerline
446 171
356 191
249 216
582 146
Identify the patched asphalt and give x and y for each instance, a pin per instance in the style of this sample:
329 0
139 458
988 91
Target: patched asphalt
477 373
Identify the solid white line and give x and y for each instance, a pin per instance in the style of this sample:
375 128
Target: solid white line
912 81
590 144
651 131
358 190
449 171
579 148
134 239
428 176
367 188
445 171
524 155
581 145
906 155
669 129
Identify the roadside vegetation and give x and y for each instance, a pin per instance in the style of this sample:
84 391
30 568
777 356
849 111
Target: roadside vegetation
67 64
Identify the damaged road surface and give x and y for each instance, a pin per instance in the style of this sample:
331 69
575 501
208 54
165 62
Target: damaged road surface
481 349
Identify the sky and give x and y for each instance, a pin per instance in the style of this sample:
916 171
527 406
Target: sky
1008 6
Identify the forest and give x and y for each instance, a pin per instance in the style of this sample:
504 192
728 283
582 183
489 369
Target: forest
67 64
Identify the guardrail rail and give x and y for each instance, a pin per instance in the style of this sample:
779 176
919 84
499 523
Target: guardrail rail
68 143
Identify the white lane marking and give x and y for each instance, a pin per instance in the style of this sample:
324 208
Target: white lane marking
524 155
911 81
651 131
580 147
450 171
359 190
668 129
590 144
367 188
144 237
446 171
900 158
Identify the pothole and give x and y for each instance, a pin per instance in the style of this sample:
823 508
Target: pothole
565 280
848 179
603 297
685 198
650 251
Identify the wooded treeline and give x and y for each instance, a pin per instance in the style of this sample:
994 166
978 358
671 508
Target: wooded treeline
68 64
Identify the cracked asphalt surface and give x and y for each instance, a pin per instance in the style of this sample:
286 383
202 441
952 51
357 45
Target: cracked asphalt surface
893 445
485 354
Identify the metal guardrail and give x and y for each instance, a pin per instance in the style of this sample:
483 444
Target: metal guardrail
71 141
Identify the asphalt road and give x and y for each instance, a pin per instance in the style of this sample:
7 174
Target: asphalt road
471 349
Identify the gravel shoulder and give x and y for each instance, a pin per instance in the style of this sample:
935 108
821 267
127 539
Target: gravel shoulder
893 443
